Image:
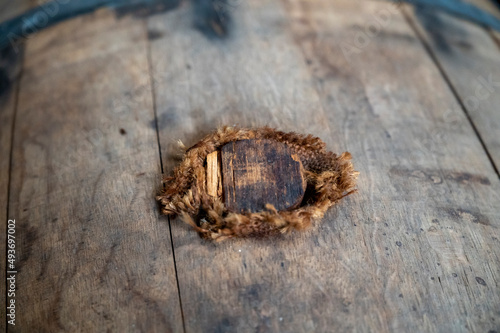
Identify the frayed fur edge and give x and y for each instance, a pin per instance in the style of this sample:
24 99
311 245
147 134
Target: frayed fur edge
330 178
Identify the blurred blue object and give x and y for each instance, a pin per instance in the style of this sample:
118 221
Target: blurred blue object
461 9
51 12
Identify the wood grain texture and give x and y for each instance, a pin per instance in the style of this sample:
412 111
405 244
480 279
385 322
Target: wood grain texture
470 59
428 203
260 172
93 253
416 250
245 79
8 97
7 104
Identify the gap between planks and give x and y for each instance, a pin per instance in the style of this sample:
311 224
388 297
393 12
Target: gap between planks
133 61
155 112
177 276
4 262
252 283
9 98
17 88
446 78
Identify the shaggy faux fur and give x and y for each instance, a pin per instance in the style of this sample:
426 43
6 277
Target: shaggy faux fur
329 179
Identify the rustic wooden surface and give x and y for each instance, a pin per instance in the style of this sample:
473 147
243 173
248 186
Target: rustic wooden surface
260 172
11 63
101 98
8 101
445 241
468 58
85 166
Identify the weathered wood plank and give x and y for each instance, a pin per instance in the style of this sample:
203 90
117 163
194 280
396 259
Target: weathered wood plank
247 80
93 254
260 172
10 68
428 203
415 250
470 59
7 104
11 65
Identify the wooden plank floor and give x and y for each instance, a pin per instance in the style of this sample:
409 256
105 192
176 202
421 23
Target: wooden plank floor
103 99
468 58
11 62
8 102
85 167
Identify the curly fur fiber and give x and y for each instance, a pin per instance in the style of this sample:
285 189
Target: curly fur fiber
329 179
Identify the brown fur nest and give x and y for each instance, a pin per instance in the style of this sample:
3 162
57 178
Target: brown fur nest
330 177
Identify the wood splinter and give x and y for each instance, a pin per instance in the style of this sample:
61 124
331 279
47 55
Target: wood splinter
214 177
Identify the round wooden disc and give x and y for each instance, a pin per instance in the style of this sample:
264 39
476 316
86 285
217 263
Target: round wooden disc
260 172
